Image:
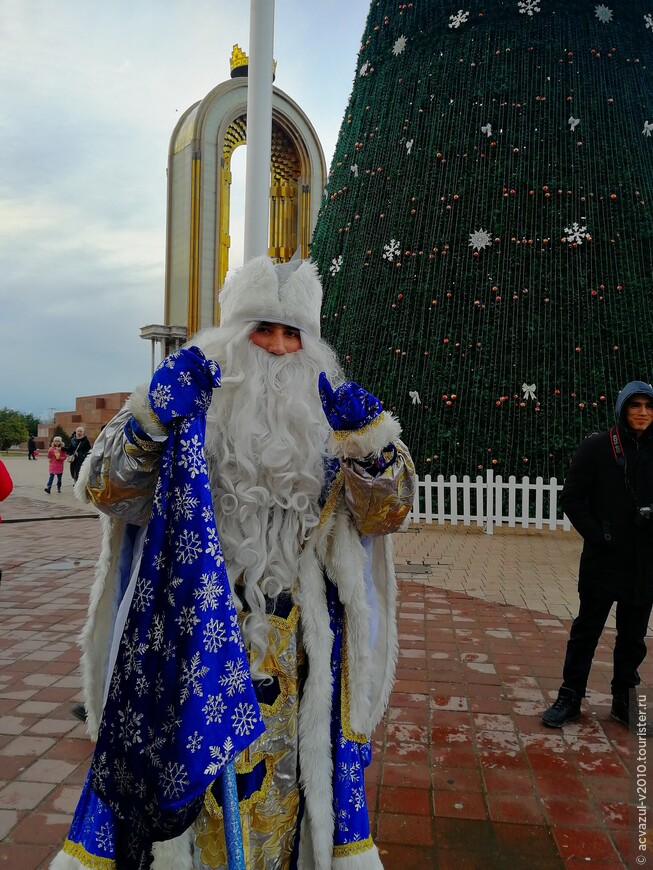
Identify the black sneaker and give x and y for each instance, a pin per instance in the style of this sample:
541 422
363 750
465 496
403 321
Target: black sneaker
620 709
565 708
47 489
79 712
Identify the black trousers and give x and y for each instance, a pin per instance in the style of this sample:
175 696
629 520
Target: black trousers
629 649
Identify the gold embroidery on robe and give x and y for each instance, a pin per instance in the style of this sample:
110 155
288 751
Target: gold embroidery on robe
332 498
345 704
269 814
353 848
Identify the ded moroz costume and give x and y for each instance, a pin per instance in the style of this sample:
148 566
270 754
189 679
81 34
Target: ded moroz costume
308 478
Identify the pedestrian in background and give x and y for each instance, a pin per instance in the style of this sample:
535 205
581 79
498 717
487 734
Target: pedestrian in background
608 496
56 459
31 447
79 449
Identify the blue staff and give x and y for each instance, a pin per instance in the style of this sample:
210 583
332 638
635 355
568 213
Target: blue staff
233 833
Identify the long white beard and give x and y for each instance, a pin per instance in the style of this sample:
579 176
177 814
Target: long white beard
266 443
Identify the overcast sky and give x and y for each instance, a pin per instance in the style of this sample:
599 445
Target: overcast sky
90 93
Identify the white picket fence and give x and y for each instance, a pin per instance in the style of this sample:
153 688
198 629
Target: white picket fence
489 501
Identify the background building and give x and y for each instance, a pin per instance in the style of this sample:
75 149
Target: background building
199 197
91 412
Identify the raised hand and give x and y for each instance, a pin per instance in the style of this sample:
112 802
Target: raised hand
183 384
349 407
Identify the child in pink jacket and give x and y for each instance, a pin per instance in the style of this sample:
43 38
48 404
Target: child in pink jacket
56 458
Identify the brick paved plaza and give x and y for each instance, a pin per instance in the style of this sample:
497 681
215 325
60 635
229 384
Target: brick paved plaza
463 776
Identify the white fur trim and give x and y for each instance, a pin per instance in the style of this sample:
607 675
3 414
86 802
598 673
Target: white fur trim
369 860
305 852
384 661
370 440
82 479
316 763
345 565
260 291
371 671
339 548
64 861
95 638
174 854
139 405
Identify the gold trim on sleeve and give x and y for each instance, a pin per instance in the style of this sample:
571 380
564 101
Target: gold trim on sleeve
355 848
141 444
343 434
95 862
332 498
345 703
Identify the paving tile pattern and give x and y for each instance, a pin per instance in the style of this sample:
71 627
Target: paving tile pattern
463 773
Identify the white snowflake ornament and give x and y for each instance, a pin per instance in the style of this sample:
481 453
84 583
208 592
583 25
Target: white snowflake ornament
336 265
603 13
174 779
215 635
399 46
480 239
391 250
221 755
104 837
188 547
161 396
244 719
576 233
214 708
529 7
459 18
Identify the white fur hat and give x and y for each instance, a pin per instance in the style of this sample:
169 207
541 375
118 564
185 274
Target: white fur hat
289 293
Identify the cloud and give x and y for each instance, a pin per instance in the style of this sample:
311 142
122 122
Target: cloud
89 96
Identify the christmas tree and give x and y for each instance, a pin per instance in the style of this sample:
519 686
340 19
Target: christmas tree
486 237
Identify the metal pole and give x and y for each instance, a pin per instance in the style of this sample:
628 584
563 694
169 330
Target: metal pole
257 198
233 833
489 478
259 127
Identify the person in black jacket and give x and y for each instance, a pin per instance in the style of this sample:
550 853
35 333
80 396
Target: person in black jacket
79 449
608 496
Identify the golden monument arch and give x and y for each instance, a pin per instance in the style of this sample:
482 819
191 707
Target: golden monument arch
199 184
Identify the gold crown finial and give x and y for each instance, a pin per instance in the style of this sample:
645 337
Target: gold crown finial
238 58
